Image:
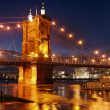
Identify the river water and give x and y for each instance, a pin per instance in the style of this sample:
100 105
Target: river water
57 96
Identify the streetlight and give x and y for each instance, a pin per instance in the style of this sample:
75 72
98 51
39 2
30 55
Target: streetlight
1 26
70 35
93 61
53 55
8 28
80 43
109 60
62 29
96 55
18 25
103 56
76 60
53 23
96 52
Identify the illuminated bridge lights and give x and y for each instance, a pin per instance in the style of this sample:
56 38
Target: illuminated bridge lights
1 26
46 55
33 55
62 29
103 56
53 23
80 42
93 60
18 25
108 59
9 58
36 55
70 35
96 52
8 28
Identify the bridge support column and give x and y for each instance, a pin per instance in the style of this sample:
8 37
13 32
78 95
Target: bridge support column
27 75
21 73
35 73
44 73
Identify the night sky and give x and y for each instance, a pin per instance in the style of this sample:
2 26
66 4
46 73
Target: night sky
87 19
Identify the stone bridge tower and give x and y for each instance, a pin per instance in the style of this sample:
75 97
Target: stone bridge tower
36 45
36 37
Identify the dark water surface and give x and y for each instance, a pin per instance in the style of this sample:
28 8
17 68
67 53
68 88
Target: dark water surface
57 96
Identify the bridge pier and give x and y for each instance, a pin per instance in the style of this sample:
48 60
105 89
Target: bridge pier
21 75
27 74
44 73
35 73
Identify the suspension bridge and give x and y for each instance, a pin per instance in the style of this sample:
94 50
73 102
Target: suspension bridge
39 36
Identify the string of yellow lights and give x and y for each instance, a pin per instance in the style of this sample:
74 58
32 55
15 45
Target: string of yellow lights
6 26
62 29
78 42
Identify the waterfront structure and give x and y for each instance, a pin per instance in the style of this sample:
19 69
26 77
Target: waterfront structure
36 46
81 73
102 84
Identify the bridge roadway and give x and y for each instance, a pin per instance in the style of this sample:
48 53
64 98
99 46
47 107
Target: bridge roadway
52 63
16 59
14 62
74 64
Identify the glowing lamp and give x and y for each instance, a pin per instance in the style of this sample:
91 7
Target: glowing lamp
18 25
36 55
72 56
103 56
8 28
1 26
62 29
53 55
42 12
96 52
108 59
32 53
30 17
80 42
75 59
93 60
53 23
45 55
70 35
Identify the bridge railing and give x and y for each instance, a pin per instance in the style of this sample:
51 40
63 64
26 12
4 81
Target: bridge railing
14 57
76 60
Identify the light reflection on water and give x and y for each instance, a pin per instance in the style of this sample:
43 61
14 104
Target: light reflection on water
58 96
